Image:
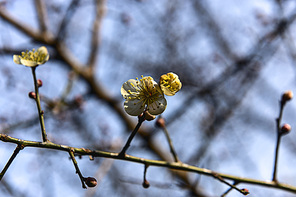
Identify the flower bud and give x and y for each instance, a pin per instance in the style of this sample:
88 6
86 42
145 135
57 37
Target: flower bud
39 83
288 95
90 181
160 122
146 184
286 128
245 191
32 95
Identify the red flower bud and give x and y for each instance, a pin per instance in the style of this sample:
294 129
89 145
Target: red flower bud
39 83
286 128
32 95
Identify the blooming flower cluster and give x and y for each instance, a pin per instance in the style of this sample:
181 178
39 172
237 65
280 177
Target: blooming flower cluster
32 58
146 95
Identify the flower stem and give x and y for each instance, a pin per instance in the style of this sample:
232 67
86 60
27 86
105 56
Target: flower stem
13 156
126 146
40 112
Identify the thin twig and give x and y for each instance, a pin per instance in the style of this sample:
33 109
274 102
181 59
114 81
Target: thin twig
163 126
217 176
71 153
13 156
279 136
227 191
131 137
40 112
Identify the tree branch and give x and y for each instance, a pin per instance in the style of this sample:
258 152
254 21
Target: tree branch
171 165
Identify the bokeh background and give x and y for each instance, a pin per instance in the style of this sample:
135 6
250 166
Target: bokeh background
234 58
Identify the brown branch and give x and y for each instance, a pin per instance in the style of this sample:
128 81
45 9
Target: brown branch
171 165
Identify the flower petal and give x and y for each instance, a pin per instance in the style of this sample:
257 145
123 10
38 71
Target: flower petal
42 50
134 107
29 63
129 87
43 53
158 106
17 59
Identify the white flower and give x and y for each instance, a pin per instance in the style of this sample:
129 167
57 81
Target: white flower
32 58
170 84
143 94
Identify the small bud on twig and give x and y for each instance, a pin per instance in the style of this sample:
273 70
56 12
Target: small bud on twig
39 83
160 122
146 184
287 96
245 191
286 128
90 181
32 95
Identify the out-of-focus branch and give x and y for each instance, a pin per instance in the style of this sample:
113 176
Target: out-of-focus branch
216 32
42 16
26 29
69 13
95 41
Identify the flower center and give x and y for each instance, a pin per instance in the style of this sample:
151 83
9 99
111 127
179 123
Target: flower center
33 55
148 91
170 81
